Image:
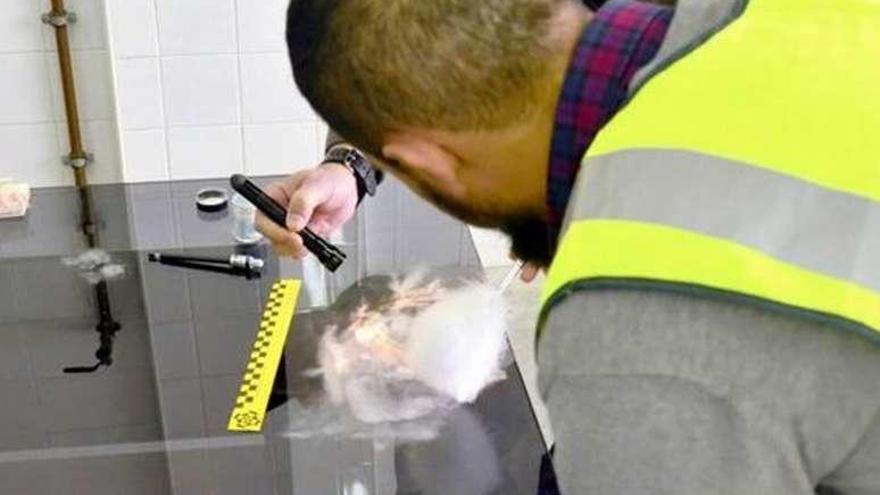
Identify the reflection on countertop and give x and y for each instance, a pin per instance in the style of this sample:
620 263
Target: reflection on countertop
154 422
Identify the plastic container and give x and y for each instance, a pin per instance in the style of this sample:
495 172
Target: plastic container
244 221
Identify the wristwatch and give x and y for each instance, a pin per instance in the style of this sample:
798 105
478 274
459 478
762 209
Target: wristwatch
352 159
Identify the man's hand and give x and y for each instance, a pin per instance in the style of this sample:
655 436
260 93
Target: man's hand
322 199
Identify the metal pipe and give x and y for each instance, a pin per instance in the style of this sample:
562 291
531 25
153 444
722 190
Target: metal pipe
78 159
58 19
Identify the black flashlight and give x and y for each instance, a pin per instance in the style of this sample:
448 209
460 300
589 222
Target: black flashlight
329 255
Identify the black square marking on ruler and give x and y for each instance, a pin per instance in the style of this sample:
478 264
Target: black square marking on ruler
249 400
252 388
260 365
263 354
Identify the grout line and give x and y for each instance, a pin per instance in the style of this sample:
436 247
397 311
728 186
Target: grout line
281 52
166 137
243 168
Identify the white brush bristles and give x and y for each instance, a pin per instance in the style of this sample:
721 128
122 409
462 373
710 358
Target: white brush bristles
456 345
425 348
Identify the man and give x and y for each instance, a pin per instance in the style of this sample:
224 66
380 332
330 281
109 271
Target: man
712 310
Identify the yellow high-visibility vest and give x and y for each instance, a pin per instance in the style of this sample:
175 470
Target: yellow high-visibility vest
746 166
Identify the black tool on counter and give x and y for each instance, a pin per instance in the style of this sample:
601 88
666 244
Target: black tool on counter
329 255
238 264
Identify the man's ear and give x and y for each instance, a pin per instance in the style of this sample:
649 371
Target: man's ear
425 160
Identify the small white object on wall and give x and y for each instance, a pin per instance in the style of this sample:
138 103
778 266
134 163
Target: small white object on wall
15 198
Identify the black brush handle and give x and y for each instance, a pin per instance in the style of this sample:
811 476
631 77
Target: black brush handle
329 255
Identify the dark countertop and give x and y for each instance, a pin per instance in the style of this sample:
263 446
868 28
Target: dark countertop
155 421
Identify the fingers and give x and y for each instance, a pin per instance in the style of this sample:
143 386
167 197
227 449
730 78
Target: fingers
322 198
313 193
529 273
282 190
284 242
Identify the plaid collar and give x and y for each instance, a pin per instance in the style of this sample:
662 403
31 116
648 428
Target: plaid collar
622 37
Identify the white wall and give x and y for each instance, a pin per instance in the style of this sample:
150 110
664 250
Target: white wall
205 90
33 135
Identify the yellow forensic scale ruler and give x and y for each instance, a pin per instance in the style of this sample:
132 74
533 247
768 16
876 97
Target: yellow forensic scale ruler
259 375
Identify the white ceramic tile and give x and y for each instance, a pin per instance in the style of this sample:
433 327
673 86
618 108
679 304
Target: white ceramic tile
94 85
201 152
100 139
268 91
145 156
196 26
87 33
273 149
133 28
139 93
33 155
322 131
200 90
20 26
261 25
24 89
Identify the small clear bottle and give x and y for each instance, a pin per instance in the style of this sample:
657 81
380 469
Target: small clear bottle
244 221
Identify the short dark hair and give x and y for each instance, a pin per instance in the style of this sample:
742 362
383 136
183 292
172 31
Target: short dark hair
371 66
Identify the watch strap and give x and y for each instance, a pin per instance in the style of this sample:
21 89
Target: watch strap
363 171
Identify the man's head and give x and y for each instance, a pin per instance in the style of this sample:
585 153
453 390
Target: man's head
455 97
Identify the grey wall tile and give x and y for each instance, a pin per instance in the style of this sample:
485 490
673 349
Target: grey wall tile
72 342
198 229
215 295
131 349
219 393
440 247
22 418
99 401
313 472
224 343
152 220
182 412
126 293
190 473
45 289
109 475
15 362
102 436
384 472
110 210
51 227
174 350
8 311
165 293
417 213
26 478
380 251
284 484
242 470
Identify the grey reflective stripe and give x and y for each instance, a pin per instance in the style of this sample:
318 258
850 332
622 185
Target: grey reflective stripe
694 22
798 222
